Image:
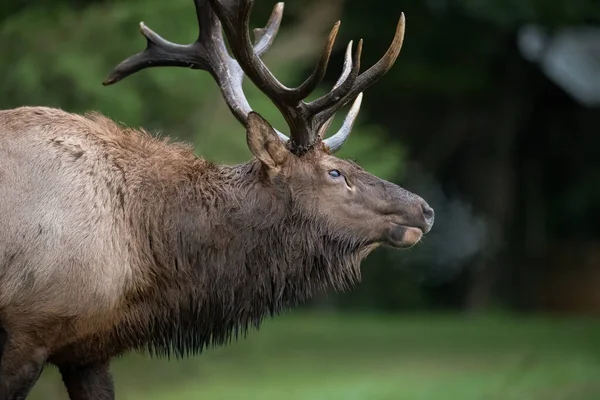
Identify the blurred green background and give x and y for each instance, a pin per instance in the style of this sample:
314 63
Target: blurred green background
491 113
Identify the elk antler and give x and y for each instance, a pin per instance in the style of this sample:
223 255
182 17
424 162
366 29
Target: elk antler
307 121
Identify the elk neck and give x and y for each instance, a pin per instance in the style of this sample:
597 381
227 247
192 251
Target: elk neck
227 250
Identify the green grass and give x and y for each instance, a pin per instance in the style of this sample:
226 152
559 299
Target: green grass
352 357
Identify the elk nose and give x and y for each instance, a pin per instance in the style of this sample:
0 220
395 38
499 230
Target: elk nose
429 216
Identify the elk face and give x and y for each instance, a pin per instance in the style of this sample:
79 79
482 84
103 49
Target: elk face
340 193
367 206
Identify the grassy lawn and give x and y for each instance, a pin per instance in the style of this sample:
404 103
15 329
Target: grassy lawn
352 357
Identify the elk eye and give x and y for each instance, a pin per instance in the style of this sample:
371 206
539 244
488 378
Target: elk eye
335 173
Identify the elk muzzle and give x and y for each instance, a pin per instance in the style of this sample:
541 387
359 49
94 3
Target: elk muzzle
417 220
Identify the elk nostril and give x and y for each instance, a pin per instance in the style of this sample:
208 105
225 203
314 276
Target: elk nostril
428 213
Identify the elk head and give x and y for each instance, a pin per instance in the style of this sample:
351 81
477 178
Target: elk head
338 193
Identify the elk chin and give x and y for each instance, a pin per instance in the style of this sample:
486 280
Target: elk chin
403 237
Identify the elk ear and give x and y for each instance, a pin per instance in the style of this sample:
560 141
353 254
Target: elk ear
264 142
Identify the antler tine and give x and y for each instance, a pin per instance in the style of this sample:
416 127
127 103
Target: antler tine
159 52
316 77
346 69
342 87
264 37
370 76
207 53
335 142
386 62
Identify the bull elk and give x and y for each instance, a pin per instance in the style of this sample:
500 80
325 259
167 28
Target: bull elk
113 240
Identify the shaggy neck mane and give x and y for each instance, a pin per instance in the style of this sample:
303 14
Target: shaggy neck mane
227 251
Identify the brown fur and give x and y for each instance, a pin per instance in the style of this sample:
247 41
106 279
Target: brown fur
115 240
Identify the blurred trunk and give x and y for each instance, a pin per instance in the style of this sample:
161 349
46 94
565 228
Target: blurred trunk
523 276
491 179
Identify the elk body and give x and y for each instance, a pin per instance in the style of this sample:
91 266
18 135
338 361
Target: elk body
112 240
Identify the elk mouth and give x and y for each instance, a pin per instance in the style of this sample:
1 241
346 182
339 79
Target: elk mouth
403 236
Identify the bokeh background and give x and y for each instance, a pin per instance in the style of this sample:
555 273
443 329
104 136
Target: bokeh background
491 113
